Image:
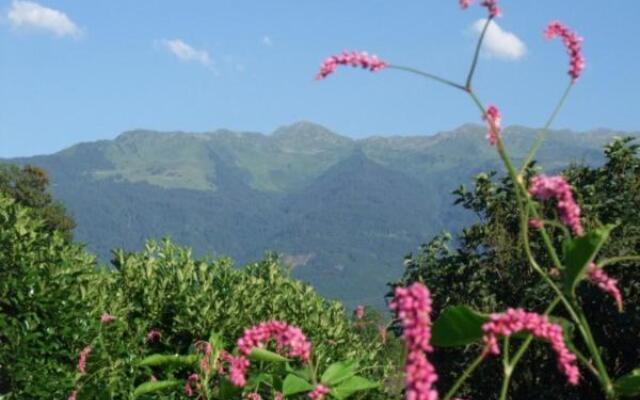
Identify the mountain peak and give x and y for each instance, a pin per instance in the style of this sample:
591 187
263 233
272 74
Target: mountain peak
308 137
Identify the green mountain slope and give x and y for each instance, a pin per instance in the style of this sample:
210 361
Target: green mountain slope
342 211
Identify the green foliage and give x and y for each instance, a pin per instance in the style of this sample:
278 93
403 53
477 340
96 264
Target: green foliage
45 305
29 187
488 271
458 326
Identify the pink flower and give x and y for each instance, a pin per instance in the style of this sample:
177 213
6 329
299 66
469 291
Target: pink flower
464 4
289 339
153 378
206 349
518 320
279 396
492 7
572 42
153 335
413 307
238 367
608 285
73 395
106 318
253 396
494 121
545 187
82 359
354 59
359 312
536 223
192 385
319 392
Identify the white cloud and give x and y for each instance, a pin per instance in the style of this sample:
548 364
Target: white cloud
186 53
30 15
499 43
267 41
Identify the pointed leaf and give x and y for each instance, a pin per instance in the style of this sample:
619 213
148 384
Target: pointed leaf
458 326
157 386
168 359
351 386
579 252
338 372
628 385
294 384
258 354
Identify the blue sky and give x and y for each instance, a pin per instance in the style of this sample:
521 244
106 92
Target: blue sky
84 71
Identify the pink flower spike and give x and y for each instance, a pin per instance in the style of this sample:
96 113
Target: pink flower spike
359 312
289 339
82 359
494 122
572 42
492 7
107 318
253 396
518 320
545 187
413 307
536 223
354 59
238 367
607 284
319 392
73 395
464 4
153 335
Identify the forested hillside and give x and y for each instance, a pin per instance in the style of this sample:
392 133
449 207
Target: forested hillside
342 211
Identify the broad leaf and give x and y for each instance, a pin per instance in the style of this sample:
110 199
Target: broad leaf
157 386
294 384
458 326
338 372
163 359
351 386
580 252
258 354
628 385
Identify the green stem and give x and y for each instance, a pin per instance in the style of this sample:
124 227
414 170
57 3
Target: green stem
616 260
508 372
465 375
476 54
427 75
543 133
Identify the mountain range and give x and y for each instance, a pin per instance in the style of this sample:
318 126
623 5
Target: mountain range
342 212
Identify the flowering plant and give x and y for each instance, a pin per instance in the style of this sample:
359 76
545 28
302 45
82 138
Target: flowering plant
575 261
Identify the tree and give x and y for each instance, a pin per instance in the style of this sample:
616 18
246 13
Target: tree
29 187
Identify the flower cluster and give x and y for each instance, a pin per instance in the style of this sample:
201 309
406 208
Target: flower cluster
153 335
82 359
253 396
206 349
289 339
494 122
572 42
609 285
546 187
319 392
491 5
238 367
355 59
192 385
107 318
359 312
518 320
413 307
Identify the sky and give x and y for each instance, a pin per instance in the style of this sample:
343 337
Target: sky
75 71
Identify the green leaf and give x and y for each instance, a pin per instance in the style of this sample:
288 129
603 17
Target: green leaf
580 252
157 386
351 386
458 326
227 390
338 372
258 354
304 373
294 384
628 385
162 359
